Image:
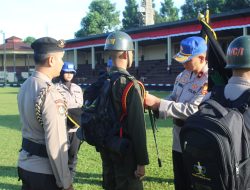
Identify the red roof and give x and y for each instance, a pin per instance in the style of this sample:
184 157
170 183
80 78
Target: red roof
15 44
238 19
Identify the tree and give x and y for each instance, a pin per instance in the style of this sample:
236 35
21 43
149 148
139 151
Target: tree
234 5
191 8
158 18
29 40
167 13
130 15
102 17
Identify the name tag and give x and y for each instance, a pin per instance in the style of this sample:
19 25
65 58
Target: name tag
191 91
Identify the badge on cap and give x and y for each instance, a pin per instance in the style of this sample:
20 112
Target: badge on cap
47 45
61 43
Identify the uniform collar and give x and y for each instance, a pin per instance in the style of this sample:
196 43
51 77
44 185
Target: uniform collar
239 80
66 87
42 76
119 69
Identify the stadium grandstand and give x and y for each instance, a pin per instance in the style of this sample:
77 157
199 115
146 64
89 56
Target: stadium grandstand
154 47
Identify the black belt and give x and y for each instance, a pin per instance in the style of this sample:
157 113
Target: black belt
178 122
34 148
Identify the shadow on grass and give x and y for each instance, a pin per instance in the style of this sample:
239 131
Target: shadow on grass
9 92
93 178
8 171
10 121
158 180
81 177
5 186
88 178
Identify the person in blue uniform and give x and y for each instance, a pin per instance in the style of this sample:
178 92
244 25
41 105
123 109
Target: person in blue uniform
73 95
189 90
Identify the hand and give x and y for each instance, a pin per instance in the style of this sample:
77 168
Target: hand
70 187
152 101
140 172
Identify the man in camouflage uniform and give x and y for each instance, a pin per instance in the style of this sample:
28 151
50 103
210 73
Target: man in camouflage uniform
189 89
125 173
43 159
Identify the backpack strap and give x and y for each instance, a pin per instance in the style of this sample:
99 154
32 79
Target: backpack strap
124 99
242 103
221 109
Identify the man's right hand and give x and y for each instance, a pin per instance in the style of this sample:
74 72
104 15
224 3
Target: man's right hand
140 172
70 187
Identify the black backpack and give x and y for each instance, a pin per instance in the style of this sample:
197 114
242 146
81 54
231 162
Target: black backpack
215 144
100 125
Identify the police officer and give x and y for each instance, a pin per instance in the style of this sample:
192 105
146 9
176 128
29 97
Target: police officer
43 159
74 97
189 89
125 172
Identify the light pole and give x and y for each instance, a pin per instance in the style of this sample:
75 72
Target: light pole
4 57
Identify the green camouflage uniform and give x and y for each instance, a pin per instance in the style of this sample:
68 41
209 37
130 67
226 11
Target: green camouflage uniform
118 173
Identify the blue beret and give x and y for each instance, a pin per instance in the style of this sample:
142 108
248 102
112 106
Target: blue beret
47 45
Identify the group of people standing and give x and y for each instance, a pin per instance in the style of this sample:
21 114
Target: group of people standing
48 156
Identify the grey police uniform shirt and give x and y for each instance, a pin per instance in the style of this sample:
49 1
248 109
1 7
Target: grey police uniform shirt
53 133
188 92
73 96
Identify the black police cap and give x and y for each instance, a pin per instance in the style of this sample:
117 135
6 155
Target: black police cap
47 45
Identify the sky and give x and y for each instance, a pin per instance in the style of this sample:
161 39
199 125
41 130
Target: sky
59 19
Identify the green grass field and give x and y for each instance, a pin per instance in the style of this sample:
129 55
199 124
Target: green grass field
89 165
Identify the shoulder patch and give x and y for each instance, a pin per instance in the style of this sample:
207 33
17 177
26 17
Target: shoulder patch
204 89
61 107
62 110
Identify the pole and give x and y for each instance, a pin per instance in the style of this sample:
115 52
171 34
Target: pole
153 125
4 57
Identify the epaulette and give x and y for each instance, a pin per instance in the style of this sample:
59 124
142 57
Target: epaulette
39 103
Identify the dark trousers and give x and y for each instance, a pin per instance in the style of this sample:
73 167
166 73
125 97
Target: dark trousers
118 173
36 181
74 145
181 179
